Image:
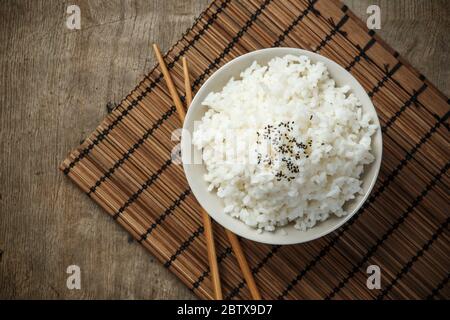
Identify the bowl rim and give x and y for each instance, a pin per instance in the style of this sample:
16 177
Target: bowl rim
282 51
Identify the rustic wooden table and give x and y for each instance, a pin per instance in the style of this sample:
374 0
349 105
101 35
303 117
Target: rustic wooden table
55 84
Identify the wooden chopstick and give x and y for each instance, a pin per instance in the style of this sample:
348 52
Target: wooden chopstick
243 264
173 91
187 83
234 241
207 225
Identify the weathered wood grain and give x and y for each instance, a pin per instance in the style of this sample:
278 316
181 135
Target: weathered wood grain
54 87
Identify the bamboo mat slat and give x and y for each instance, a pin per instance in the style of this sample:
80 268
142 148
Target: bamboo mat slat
125 166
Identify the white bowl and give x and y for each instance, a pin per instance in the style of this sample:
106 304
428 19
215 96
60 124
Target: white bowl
214 205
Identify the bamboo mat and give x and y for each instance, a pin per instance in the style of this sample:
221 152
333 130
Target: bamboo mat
124 165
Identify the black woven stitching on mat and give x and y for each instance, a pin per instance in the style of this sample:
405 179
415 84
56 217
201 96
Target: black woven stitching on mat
388 75
134 102
414 259
205 273
209 22
390 231
176 203
230 45
445 124
143 187
409 155
130 151
110 106
362 53
235 291
439 287
184 246
336 29
409 102
309 8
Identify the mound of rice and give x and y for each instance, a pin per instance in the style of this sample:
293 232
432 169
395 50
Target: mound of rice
284 144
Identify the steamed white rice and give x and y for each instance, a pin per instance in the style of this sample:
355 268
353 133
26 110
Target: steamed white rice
284 144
